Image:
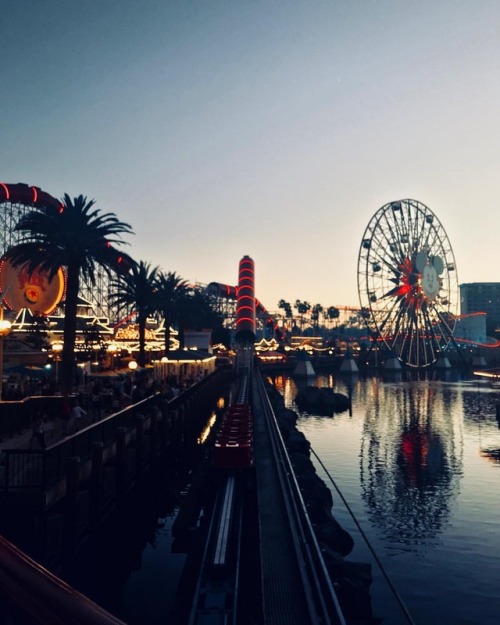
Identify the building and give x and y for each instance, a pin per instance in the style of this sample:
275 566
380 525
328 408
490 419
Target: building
471 328
482 297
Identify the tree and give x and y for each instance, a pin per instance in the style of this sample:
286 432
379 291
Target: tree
286 307
80 238
332 313
135 292
317 309
195 311
302 309
170 289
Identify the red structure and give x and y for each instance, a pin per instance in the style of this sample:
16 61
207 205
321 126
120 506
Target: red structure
245 302
24 194
226 291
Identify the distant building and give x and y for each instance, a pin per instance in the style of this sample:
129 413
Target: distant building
471 328
482 297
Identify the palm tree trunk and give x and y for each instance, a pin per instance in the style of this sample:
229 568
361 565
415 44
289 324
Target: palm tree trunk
142 340
70 310
167 335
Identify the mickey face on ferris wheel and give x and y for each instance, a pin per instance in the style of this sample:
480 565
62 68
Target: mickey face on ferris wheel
429 268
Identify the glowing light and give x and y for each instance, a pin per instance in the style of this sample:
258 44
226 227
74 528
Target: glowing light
404 290
5 327
242 319
6 189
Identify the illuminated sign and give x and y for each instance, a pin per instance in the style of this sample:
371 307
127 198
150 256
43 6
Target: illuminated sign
35 291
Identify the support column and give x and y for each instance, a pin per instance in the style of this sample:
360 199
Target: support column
121 460
71 506
139 444
96 486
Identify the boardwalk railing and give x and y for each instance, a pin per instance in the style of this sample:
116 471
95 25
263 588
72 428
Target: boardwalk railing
44 469
35 469
31 595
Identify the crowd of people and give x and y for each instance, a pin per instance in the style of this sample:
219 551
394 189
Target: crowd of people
98 398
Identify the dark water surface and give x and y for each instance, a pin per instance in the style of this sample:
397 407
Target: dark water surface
133 567
418 462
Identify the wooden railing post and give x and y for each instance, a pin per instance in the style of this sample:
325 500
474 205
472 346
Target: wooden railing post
121 460
71 505
139 444
96 477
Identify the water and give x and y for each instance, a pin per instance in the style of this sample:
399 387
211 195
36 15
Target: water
133 567
418 463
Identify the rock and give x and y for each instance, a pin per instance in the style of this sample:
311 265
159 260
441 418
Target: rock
352 580
322 399
335 536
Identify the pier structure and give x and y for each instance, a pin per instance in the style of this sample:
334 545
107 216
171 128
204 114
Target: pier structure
255 554
252 552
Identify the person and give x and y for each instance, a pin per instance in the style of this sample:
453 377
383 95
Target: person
176 390
39 431
66 415
77 411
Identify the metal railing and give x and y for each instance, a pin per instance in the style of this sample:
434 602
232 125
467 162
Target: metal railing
32 595
42 469
322 598
29 593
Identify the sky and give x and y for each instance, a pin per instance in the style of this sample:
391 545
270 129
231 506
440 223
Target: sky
273 129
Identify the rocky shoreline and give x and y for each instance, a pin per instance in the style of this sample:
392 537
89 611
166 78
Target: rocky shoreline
352 580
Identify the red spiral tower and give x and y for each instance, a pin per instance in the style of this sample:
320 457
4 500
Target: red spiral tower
245 303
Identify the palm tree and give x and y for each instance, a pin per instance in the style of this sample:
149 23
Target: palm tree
170 289
195 311
286 307
302 309
317 309
80 238
135 291
332 313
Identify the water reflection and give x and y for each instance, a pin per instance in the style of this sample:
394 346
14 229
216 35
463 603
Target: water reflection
418 462
412 443
411 458
411 448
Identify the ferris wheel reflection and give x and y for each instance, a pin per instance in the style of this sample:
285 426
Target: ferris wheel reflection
411 458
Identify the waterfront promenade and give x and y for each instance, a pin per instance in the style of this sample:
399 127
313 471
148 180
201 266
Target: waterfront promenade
56 441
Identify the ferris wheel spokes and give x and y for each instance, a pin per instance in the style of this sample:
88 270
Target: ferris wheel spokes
407 281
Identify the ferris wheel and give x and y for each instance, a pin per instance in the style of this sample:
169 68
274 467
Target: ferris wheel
407 282
17 200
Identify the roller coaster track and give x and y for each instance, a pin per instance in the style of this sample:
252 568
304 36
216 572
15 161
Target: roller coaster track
295 585
314 595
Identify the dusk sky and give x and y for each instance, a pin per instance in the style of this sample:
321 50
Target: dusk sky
275 129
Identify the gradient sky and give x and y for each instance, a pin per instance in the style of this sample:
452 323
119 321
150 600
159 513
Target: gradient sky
275 129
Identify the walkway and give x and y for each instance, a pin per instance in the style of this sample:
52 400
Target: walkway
53 429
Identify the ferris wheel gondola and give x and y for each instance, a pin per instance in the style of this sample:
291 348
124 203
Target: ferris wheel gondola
407 282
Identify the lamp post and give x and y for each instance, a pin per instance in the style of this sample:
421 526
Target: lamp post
5 327
132 366
57 349
96 348
112 349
